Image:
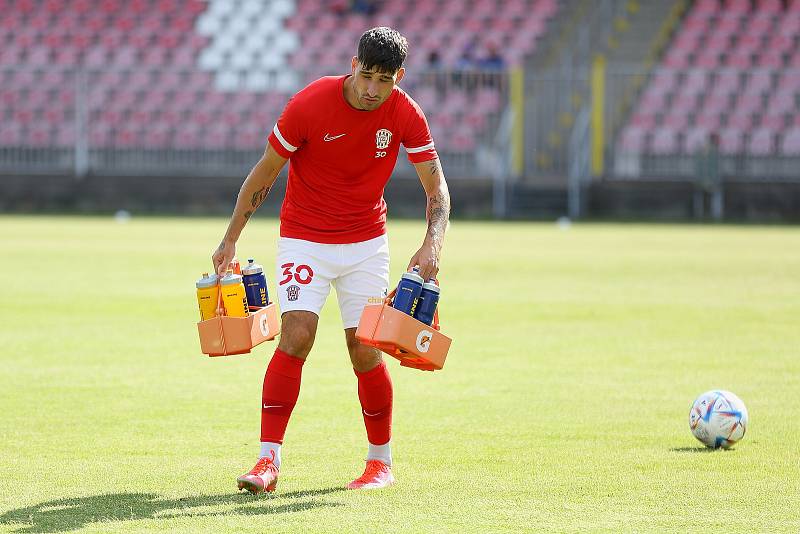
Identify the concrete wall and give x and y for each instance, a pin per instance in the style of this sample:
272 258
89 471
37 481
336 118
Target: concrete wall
606 199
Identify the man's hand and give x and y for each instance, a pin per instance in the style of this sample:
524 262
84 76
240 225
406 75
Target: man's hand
223 256
427 258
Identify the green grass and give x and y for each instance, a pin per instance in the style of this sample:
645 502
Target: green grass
563 405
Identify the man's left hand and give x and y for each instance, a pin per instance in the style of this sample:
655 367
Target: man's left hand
427 258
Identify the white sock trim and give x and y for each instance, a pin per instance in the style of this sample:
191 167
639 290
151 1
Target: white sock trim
267 448
380 452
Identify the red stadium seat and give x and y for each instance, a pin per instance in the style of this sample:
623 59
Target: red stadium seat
731 141
664 141
740 120
707 7
708 120
790 144
632 140
675 120
695 139
762 142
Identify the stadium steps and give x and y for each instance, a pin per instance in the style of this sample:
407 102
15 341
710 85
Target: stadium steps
595 26
529 201
645 33
546 70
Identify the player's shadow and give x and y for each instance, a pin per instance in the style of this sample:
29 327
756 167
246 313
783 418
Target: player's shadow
61 515
695 449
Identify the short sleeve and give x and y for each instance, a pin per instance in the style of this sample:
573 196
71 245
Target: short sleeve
418 140
288 134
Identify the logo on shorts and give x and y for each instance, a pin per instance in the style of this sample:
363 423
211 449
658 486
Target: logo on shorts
382 139
424 340
379 300
293 292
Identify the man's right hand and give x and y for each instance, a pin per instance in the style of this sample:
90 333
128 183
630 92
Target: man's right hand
223 256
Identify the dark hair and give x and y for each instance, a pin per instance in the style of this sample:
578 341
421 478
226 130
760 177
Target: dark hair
382 48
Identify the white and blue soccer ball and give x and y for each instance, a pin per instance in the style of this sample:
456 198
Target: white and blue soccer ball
718 419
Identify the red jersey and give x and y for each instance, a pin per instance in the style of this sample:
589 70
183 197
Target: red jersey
341 158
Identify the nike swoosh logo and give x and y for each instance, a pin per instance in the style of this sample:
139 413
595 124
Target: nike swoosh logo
329 137
276 406
370 414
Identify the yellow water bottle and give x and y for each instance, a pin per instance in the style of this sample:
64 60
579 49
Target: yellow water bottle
233 295
207 296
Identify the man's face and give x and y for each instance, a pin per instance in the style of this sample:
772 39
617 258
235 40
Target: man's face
373 87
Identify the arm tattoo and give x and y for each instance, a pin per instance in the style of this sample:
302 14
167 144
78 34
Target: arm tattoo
247 215
438 214
434 167
259 197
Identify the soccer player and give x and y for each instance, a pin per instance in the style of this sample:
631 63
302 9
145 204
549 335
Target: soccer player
342 136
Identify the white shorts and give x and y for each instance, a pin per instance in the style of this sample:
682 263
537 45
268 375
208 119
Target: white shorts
306 270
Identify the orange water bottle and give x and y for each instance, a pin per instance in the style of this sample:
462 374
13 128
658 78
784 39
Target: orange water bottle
234 297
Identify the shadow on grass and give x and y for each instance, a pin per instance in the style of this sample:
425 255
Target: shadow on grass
695 449
61 515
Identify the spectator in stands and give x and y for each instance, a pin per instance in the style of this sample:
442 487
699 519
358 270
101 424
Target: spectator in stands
467 59
492 61
708 181
433 60
339 7
365 7
343 7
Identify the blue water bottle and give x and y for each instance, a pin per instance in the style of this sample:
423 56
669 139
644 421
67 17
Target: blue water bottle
408 291
426 304
255 284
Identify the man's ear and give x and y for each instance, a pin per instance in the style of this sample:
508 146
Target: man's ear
400 74
353 65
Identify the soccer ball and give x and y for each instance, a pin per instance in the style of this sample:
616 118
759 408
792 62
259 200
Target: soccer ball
718 419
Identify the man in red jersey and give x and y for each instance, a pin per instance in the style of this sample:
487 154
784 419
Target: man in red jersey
342 136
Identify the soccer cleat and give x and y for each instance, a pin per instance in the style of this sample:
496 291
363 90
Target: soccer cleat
262 477
376 475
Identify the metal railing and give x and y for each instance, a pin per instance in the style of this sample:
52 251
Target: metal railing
148 121
555 140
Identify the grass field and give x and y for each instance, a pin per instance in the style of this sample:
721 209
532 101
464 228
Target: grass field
563 405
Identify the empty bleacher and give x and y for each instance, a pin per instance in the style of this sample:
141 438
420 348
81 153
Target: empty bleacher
733 69
213 75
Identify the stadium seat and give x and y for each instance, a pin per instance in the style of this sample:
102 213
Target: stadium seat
790 145
632 140
762 142
740 59
664 141
151 63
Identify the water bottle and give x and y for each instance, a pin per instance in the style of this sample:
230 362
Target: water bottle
233 295
426 304
207 295
408 291
255 284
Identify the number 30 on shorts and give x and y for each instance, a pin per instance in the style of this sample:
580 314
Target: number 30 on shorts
302 274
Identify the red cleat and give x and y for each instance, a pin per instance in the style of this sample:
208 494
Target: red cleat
263 477
376 475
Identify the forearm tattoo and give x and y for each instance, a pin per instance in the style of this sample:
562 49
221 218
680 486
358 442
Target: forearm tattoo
256 200
259 197
438 213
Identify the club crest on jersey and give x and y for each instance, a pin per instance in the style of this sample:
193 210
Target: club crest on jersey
382 139
292 293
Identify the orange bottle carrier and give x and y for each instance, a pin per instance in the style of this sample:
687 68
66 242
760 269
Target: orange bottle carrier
225 336
401 336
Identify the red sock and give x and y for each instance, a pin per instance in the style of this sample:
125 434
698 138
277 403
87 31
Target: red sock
375 394
281 388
